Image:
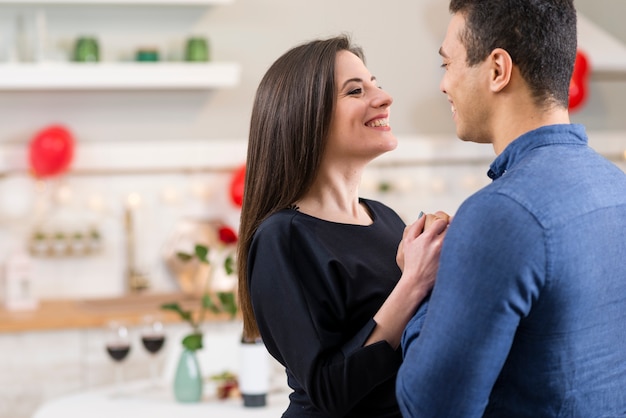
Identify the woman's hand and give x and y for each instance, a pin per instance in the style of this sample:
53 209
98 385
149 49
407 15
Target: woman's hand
421 247
428 221
418 257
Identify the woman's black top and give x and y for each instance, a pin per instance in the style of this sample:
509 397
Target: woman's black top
315 287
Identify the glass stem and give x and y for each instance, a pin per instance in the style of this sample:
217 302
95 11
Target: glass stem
119 379
153 372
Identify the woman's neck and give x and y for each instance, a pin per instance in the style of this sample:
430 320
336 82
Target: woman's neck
334 196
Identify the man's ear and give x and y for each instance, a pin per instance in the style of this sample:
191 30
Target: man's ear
501 69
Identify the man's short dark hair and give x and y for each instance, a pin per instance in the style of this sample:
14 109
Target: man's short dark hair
539 35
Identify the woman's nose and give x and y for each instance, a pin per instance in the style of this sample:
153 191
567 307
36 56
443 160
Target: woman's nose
383 99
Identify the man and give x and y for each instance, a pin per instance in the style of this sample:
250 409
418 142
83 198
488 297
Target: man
528 314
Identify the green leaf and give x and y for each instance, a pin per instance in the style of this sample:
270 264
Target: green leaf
185 315
208 303
224 376
384 186
184 256
229 305
202 251
193 342
229 265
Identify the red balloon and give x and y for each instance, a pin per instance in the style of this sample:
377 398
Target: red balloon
51 151
577 94
578 83
581 65
237 185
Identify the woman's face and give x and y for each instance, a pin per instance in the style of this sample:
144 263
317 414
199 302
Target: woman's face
360 123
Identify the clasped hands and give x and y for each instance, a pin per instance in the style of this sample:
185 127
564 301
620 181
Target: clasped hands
421 244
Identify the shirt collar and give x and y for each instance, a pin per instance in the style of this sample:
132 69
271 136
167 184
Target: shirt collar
573 134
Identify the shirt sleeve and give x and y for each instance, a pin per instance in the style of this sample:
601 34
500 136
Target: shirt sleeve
300 311
414 327
491 270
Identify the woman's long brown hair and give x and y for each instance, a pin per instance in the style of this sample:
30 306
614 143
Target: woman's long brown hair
291 114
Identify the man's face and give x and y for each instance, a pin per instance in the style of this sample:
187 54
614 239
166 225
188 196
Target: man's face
466 87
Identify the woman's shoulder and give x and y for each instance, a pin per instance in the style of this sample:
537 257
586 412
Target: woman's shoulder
278 220
285 222
285 228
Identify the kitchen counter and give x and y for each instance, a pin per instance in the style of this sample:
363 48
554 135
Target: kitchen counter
138 398
86 313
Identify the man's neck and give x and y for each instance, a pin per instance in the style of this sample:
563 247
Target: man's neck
516 123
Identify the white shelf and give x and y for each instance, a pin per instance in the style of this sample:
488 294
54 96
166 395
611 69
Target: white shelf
121 2
607 55
118 76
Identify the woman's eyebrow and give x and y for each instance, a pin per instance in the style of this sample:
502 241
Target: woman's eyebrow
356 79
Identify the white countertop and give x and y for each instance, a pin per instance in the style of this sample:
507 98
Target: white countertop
142 399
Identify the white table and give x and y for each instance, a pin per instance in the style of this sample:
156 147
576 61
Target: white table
141 399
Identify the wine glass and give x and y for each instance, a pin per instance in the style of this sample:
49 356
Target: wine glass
153 339
118 347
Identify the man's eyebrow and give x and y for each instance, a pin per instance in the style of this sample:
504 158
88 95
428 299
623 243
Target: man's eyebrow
443 54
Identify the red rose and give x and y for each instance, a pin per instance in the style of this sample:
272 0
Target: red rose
227 235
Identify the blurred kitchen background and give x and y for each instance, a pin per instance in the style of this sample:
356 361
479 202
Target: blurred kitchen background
158 144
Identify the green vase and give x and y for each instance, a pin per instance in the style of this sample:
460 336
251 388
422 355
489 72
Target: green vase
188 378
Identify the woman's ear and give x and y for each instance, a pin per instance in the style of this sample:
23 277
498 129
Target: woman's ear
501 69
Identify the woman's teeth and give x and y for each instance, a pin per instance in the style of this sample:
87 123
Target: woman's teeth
378 123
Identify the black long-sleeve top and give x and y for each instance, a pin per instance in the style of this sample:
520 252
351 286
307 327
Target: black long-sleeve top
315 287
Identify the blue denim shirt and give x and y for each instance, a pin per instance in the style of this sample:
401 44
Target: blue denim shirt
528 314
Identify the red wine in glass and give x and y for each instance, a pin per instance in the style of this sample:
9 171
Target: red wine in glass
118 352
153 343
153 339
117 346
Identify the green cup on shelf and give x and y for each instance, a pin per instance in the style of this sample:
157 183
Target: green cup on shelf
147 55
197 49
86 49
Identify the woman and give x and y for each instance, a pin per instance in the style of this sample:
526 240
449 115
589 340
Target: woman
318 277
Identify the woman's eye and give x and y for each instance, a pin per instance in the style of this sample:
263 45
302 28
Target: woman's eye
355 91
